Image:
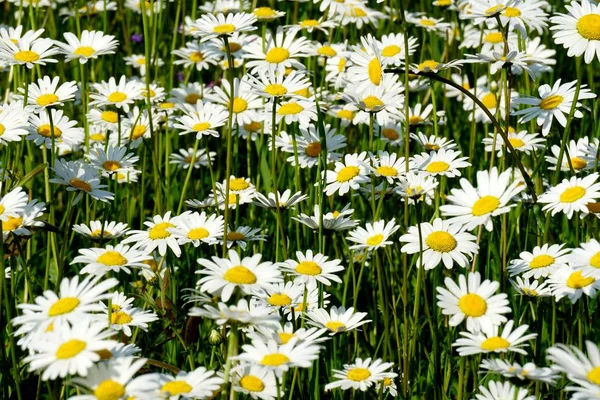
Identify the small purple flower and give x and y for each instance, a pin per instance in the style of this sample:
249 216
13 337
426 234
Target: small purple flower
180 76
137 38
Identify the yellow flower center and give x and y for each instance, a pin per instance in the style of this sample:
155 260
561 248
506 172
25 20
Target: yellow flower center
435 167
117 97
2 129
141 61
390 133
159 231
335 326
240 275
252 383
551 102
495 343
428 64
81 185
578 281
70 349
309 23
275 89
111 165
588 26
112 258
529 292
104 354
485 205
109 390
274 359
490 101
238 184
375 72
427 22
277 55
541 261
347 114
493 37
493 10
45 99
63 306
27 56
196 57
384 170
358 374
512 12
285 337
176 387
120 318
347 173
233 236
252 126
11 224
279 300
441 241
197 233
308 268
138 132
327 51
390 51
375 240
192 98
572 194
432 146
516 142
201 126
110 116
239 105
594 375
595 260
415 120
341 64
372 102
224 29
472 305
578 163
313 149
264 12
46 131
291 108
85 51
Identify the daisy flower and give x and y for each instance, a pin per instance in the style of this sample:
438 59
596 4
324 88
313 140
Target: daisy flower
274 83
13 123
514 370
310 268
367 64
295 110
579 30
118 258
281 200
473 207
265 14
114 160
586 257
91 45
28 51
47 93
197 228
522 141
577 365
115 378
124 315
277 51
391 133
12 204
441 242
337 220
158 235
571 195
120 95
195 54
184 158
245 104
554 102
531 289
279 358
80 178
384 101
417 186
94 230
433 143
337 319
242 234
138 62
387 166
541 262
577 159
256 382
347 175
490 340
69 350
222 276
202 119
210 26
310 146
392 48
430 24
20 226
199 383
442 162
189 93
373 236
503 391
239 314
474 301
571 283
360 375
312 24
62 129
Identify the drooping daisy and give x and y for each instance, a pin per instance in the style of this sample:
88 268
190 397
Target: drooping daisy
360 375
503 391
196 228
554 102
474 301
489 340
514 370
311 268
473 207
337 319
202 119
242 234
531 289
112 229
347 175
579 30
184 158
223 275
80 178
118 258
442 162
158 235
91 45
209 26
571 195
199 384
541 262
281 200
571 283
441 242
373 236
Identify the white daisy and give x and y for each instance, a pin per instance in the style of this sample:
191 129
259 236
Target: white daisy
571 195
490 340
373 236
541 262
